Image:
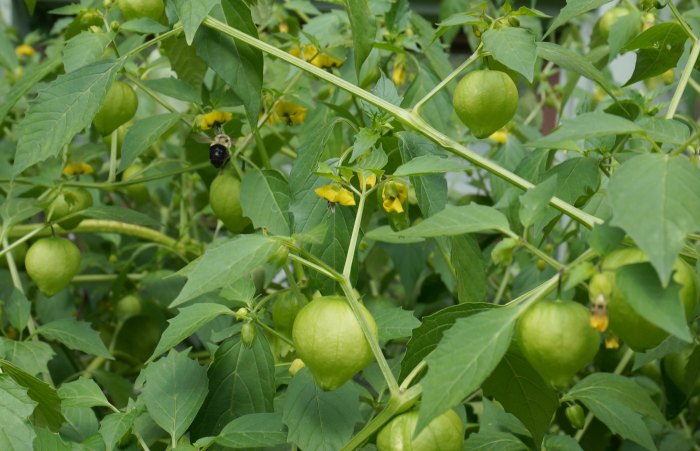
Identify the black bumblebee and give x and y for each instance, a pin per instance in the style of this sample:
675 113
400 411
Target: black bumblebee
219 153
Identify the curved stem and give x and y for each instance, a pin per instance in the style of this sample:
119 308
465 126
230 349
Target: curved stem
683 81
406 117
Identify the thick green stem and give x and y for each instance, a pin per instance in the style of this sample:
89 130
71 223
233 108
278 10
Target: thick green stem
407 118
683 81
350 257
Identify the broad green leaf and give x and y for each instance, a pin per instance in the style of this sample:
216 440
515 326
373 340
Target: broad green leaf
455 20
47 440
386 234
494 418
183 58
81 423
586 126
561 443
8 58
17 309
333 249
619 403
534 202
48 409
669 345
317 419
15 210
175 88
121 214
82 392
669 131
192 14
513 47
468 352
364 29
15 408
76 335
31 356
187 322
241 381
143 25
654 199
256 430
62 109
522 391
574 8
84 49
426 337
265 200
224 264
494 440
27 82
658 305
238 64
175 389
115 425
659 49
457 221
392 321
431 164
573 62
430 189
469 268
143 134
364 142
625 28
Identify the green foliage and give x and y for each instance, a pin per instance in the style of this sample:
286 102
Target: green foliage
349 179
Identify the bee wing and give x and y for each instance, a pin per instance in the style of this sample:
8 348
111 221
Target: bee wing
201 138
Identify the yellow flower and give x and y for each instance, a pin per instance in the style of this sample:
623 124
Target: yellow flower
24 50
214 118
394 195
398 75
611 342
368 182
500 136
77 169
599 322
288 112
336 194
315 56
283 27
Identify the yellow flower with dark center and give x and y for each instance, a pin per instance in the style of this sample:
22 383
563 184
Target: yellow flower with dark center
500 136
314 56
367 181
394 196
77 169
288 112
24 50
214 118
336 194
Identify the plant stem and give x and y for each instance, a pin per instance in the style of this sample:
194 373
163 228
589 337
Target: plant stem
406 117
96 278
274 332
350 257
113 156
455 73
685 76
24 238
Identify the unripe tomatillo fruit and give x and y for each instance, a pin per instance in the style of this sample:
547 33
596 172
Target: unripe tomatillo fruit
444 433
52 263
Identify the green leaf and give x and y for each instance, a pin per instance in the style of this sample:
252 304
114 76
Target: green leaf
426 337
669 131
619 403
85 48
522 391
143 134
183 58
76 335
658 305
364 28
175 389
316 419
18 309
238 64
115 425
143 25
457 221
265 200
121 214
431 164
241 381
659 49
456 19
62 109
573 62
430 189
386 234
625 28
654 199
222 265
364 142
48 410
47 440
534 202
8 57
468 352
192 14
32 356
392 321
494 441
15 408
175 88
561 443
256 430
514 48
27 82
469 268
187 322
82 392
586 126
574 8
